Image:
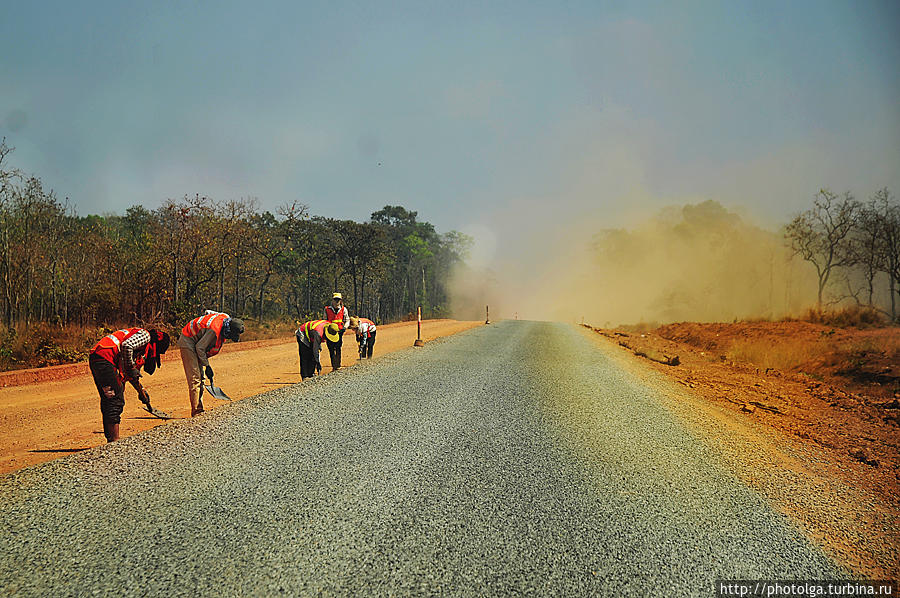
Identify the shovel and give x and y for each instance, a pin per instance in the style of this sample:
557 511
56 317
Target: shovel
156 412
215 391
144 396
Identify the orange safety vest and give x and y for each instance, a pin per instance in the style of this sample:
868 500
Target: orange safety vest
317 325
369 322
108 346
336 316
213 321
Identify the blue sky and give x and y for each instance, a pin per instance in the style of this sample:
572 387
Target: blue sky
474 114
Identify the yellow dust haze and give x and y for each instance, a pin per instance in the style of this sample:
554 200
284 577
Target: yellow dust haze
696 262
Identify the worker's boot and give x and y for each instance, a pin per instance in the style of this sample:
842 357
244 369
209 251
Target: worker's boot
198 409
111 431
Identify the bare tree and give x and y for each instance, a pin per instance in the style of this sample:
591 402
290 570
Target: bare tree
820 235
299 238
230 217
7 180
865 247
886 223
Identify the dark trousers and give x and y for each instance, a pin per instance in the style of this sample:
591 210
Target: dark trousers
307 361
112 393
365 352
334 349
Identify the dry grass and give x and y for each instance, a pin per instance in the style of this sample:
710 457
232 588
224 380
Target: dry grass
791 354
848 317
254 331
889 344
883 350
787 356
639 328
42 344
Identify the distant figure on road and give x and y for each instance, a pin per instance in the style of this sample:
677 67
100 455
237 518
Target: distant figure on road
337 313
200 339
365 335
117 358
309 341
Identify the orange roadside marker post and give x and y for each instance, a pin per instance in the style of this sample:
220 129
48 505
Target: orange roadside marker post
419 342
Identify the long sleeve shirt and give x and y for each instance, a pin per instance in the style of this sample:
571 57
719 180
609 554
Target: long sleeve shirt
136 343
201 345
365 329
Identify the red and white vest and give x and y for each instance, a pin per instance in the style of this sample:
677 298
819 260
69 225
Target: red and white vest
366 326
109 346
213 321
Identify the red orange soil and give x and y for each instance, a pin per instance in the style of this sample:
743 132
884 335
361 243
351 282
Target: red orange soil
48 413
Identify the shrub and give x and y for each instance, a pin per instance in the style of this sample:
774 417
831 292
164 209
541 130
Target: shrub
848 317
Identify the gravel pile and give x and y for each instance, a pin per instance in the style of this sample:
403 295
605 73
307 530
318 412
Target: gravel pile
508 459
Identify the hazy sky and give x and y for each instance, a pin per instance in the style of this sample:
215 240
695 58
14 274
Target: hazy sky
470 113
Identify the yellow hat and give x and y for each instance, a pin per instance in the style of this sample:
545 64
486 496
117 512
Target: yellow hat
354 323
332 332
337 296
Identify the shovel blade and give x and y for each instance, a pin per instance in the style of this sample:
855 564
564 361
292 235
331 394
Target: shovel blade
217 392
156 412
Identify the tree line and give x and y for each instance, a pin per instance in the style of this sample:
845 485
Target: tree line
195 253
854 247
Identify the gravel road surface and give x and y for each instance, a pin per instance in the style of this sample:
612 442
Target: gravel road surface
510 459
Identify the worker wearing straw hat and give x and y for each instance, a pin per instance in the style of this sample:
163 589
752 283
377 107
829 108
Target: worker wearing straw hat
309 341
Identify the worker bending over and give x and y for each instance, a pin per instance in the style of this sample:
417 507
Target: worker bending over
309 343
117 358
200 339
340 315
365 335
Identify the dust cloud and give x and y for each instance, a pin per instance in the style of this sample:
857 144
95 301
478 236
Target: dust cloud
695 262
